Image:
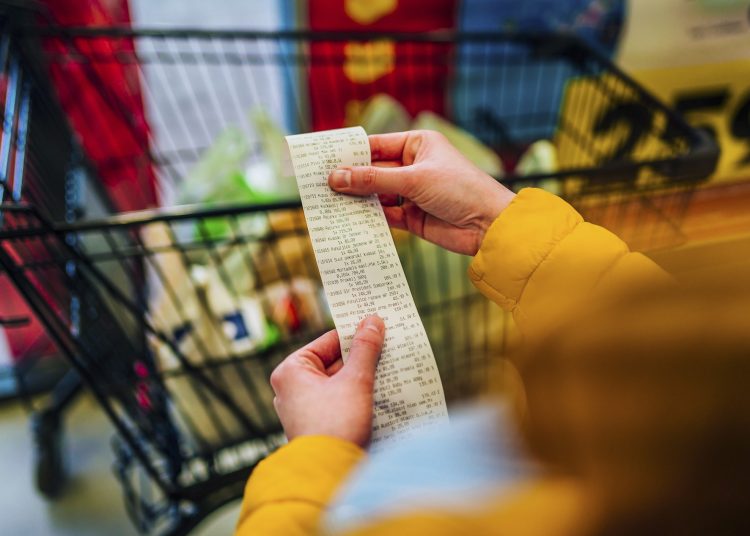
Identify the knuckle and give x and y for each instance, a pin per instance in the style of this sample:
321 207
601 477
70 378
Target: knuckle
277 378
363 379
369 343
434 138
370 177
409 183
375 150
435 135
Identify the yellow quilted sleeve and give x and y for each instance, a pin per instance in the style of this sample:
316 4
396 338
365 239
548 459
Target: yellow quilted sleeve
288 491
540 260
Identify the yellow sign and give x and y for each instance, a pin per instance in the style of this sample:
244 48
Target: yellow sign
694 55
602 121
715 97
369 11
366 62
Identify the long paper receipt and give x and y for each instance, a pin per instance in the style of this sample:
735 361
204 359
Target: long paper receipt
362 275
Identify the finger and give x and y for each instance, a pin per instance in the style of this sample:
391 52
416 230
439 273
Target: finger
408 217
389 200
395 217
366 180
388 146
334 367
326 348
388 163
365 351
315 357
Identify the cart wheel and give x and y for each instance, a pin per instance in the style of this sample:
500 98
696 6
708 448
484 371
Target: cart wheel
49 471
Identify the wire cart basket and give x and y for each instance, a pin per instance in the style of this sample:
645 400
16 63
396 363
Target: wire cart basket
175 317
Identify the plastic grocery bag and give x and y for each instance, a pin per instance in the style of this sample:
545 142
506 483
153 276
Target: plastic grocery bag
469 145
383 114
539 159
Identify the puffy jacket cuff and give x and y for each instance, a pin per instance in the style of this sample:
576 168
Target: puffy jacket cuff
517 242
307 469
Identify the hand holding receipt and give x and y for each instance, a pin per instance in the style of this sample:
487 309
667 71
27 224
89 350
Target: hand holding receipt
362 275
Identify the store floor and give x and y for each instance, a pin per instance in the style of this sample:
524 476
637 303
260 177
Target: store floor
92 503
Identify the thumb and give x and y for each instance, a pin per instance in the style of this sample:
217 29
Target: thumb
365 350
366 180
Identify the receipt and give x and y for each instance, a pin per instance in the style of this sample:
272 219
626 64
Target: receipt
362 275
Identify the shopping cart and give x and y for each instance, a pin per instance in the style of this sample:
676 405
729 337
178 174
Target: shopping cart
175 317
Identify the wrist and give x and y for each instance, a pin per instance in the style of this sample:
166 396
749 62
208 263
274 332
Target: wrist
361 441
331 439
497 201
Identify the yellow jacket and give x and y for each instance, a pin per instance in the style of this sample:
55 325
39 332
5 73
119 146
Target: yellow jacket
537 248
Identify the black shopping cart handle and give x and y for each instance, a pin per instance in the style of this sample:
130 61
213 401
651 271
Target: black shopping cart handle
15 321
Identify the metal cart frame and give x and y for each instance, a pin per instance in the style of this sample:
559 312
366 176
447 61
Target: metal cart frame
89 281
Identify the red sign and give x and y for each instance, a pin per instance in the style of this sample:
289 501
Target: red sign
343 75
103 99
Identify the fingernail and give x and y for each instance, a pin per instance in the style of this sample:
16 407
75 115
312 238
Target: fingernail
374 323
341 178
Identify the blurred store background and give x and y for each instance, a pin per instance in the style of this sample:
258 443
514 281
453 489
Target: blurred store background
179 122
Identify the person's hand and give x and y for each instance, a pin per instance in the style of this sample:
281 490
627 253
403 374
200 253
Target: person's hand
446 199
317 394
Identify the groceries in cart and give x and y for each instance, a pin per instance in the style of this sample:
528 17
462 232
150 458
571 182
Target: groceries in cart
223 289
268 175
229 171
211 310
175 318
539 159
474 150
382 113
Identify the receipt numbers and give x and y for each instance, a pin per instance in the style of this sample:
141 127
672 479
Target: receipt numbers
362 275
